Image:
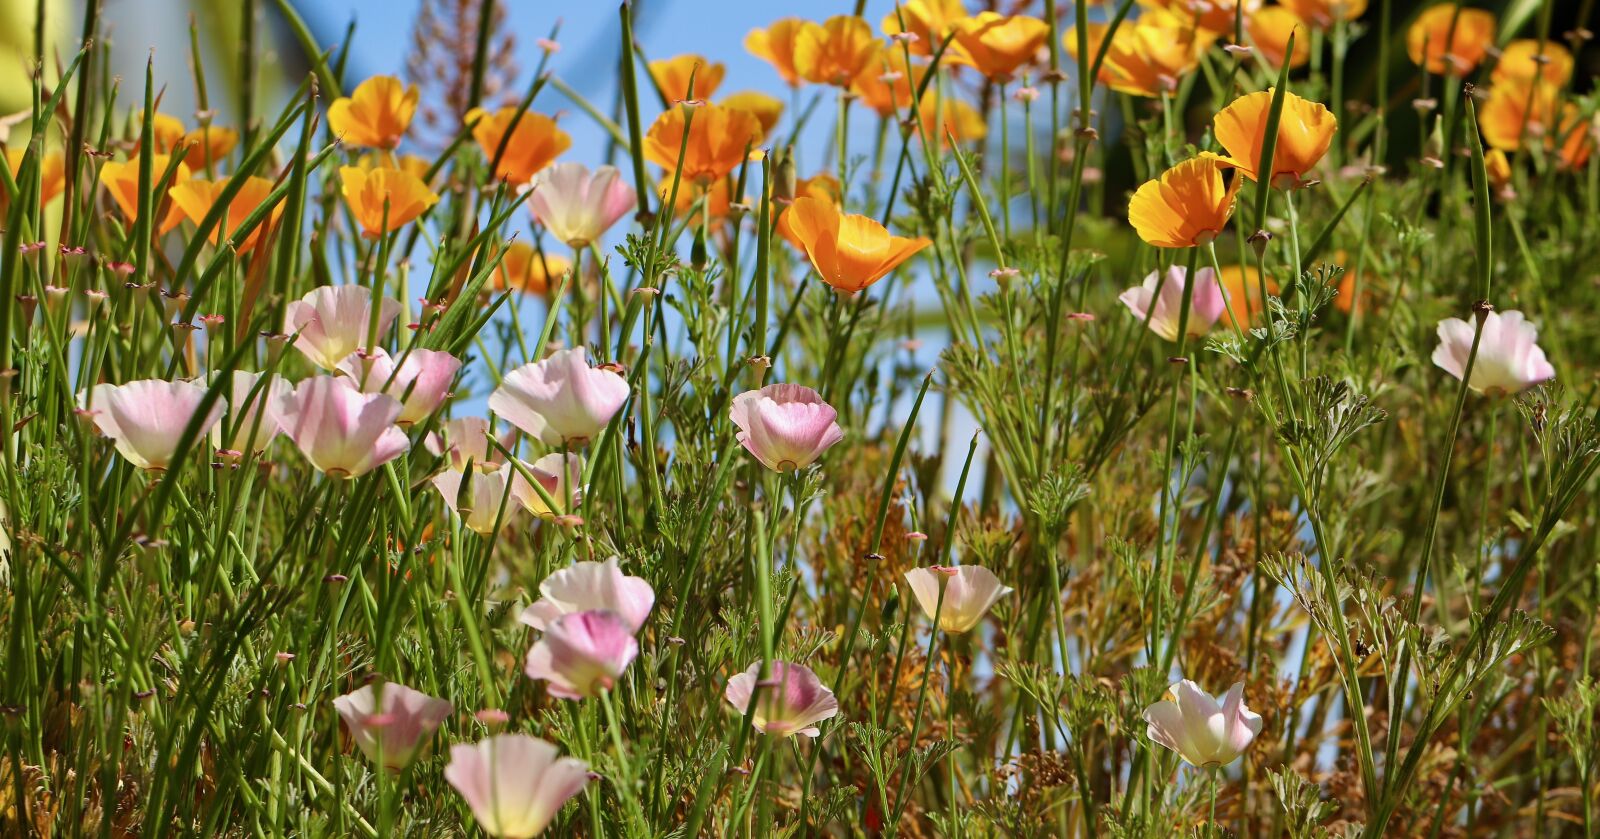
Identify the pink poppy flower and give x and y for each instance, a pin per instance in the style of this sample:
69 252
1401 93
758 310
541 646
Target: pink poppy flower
335 321
793 700
248 429
1196 726
391 722
515 784
560 399
581 654
969 591
587 586
466 440
145 419
421 383
1206 305
490 497
341 430
578 206
547 471
787 427
1508 359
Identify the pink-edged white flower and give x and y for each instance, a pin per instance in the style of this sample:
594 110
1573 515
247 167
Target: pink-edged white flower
587 586
421 383
335 321
581 654
792 699
787 427
566 490
969 591
1205 732
467 439
146 418
1207 304
488 498
341 430
248 429
578 206
1508 359
560 399
514 783
391 722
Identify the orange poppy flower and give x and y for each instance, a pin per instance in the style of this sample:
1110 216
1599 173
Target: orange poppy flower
527 270
166 132
822 187
1187 206
1269 29
997 45
52 173
1305 131
718 199
1345 300
951 118
672 76
1498 168
1323 14
196 197
887 84
1149 57
376 115
367 191
1523 60
122 181
1214 16
850 252
209 145
775 45
718 138
535 141
1514 111
1430 42
767 109
931 21
409 163
1243 291
835 52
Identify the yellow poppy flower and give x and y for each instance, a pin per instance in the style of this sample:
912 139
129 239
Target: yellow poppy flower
1323 14
121 180
997 45
775 45
821 187
1269 30
672 76
367 191
376 114
1430 41
1187 206
196 197
1523 60
931 21
529 271
834 52
535 141
408 163
718 138
850 252
52 173
1305 130
767 109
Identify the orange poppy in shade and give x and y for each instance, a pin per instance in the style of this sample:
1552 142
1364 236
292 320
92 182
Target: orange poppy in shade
775 45
850 252
1305 131
368 191
672 76
997 45
1149 57
1323 14
209 145
1430 41
834 52
535 141
376 114
52 173
1187 206
1243 290
718 139
767 109
1269 29
951 118
1214 16
1345 300
821 187
166 132
196 197
527 270
1514 111
887 84
1524 60
931 21
122 181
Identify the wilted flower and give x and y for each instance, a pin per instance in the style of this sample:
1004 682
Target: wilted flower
384 200
421 381
786 426
248 429
515 784
1448 33
1204 732
850 252
672 76
375 115
577 206
1187 206
196 197
969 591
535 141
560 399
719 138
391 722
588 586
792 699
582 653
335 321
342 431
146 418
1508 362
